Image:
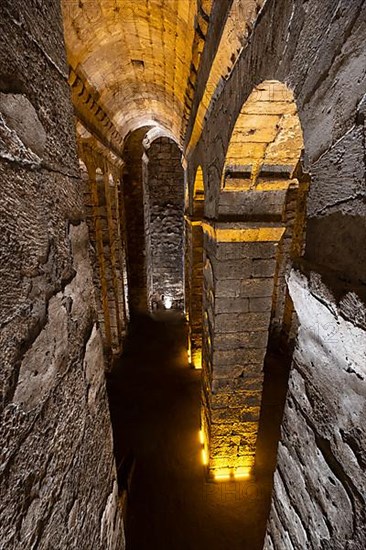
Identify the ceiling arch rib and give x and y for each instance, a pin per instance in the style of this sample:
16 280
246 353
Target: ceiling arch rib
137 56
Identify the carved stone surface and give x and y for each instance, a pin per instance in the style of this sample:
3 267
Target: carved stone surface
319 484
58 479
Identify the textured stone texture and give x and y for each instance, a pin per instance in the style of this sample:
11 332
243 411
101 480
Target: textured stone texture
319 490
159 45
237 303
104 208
164 223
316 48
49 336
58 480
135 221
193 288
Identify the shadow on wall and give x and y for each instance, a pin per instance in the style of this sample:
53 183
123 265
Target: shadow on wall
339 253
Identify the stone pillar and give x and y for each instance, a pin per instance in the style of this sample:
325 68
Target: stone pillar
104 212
135 223
91 202
194 288
163 185
122 246
291 247
239 267
115 252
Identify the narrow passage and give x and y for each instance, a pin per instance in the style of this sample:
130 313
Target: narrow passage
155 408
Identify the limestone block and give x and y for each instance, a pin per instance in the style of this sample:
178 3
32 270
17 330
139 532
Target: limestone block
231 305
239 322
234 340
256 288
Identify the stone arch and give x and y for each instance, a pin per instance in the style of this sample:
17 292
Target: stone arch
155 133
267 136
194 265
257 230
331 109
262 180
198 193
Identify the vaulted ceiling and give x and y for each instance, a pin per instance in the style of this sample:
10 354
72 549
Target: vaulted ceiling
139 59
136 54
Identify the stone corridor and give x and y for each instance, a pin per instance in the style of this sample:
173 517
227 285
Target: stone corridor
182 274
155 411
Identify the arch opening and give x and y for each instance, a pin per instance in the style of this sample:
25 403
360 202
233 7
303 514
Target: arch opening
246 305
194 270
198 194
266 141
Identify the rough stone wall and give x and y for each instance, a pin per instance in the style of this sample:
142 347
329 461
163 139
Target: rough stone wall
164 195
194 288
58 480
319 484
101 185
283 321
316 48
193 266
238 290
135 224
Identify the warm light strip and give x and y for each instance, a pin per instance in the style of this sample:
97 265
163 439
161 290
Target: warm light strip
248 234
263 186
273 186
242 473
192 222
222 474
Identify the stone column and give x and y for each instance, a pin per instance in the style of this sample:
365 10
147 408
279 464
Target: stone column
91 204
122 245
293 217
194 288
105 216
163 188
239 267
115 252
107 260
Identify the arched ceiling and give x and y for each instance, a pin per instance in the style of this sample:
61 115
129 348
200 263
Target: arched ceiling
267 133
236 32
136 55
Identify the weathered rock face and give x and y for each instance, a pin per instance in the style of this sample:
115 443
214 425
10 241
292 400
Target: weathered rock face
58 482
164 223
58 475
134 204
319 485
315 48
105 216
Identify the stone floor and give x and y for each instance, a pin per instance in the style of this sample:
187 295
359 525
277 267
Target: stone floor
155 408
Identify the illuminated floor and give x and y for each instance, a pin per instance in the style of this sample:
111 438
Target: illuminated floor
155 407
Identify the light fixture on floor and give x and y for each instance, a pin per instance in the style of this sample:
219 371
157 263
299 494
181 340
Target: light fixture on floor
168 302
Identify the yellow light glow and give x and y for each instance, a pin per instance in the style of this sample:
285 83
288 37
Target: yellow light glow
204 457
222 474
202 437
244 234
242 473
168 302
191 221
197 359
189 353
